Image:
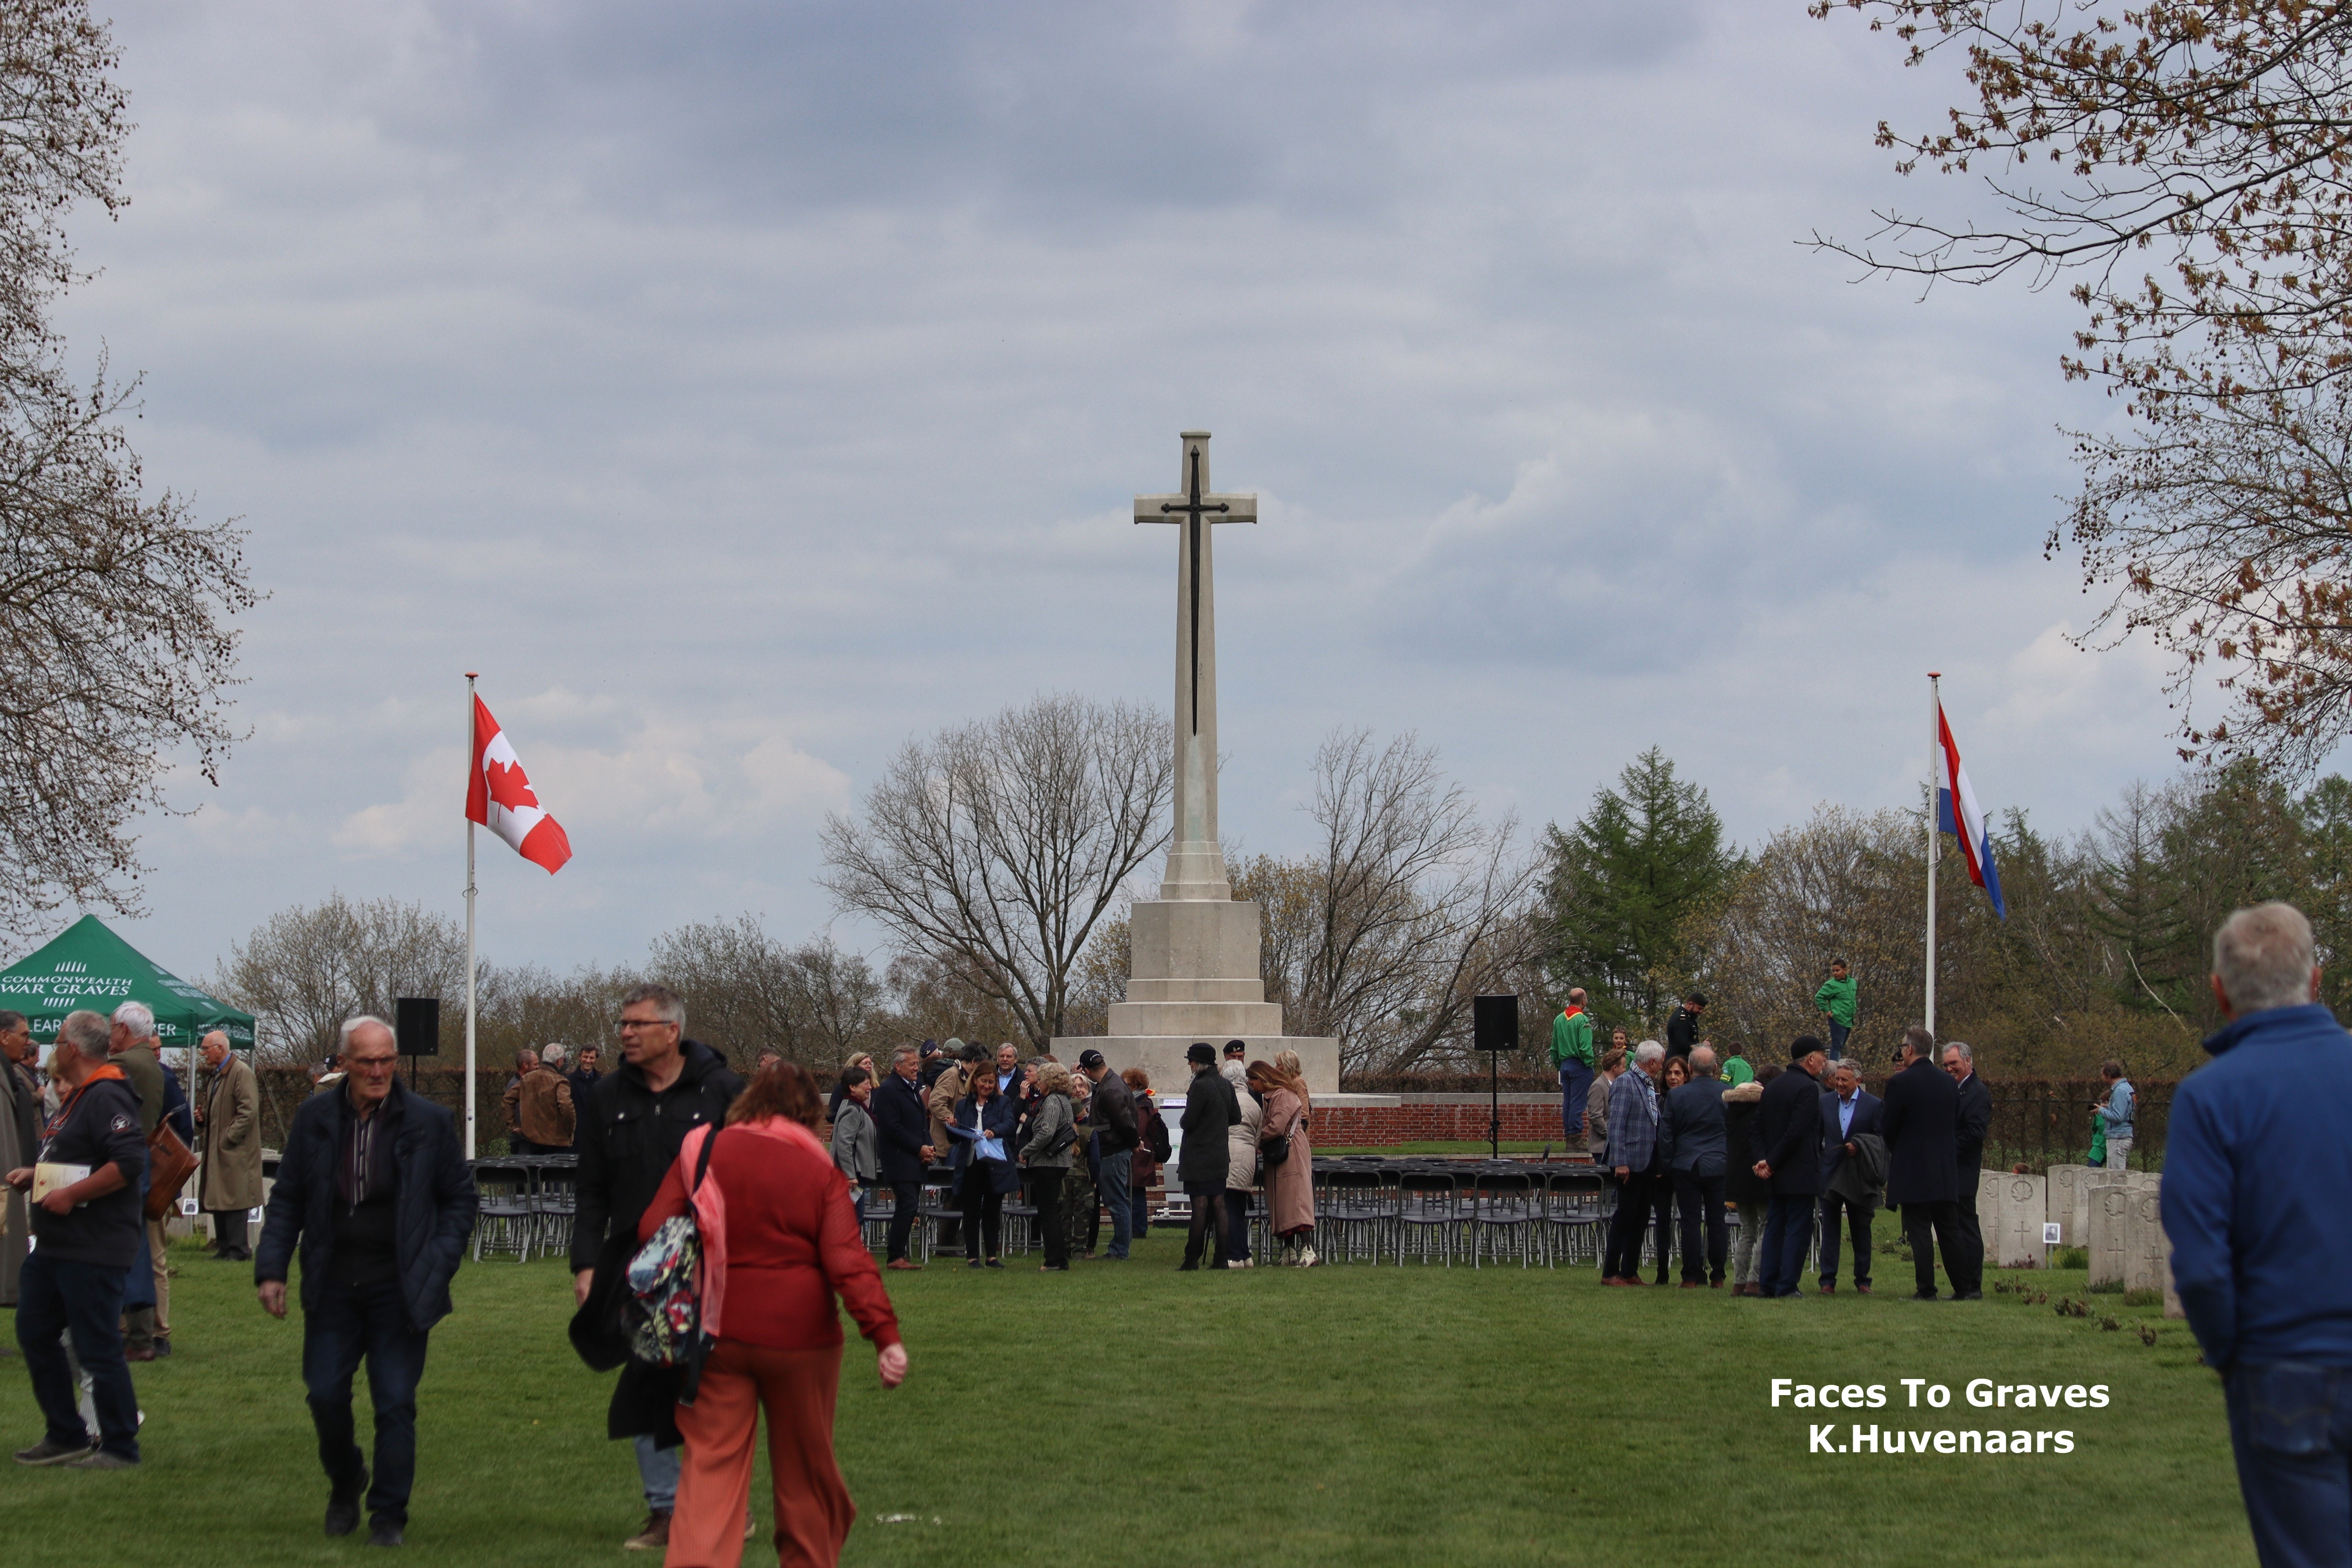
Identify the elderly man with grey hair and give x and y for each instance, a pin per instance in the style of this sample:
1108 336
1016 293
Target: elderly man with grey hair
2257 1162
147 1294
1634 1156
374 1195
85 1221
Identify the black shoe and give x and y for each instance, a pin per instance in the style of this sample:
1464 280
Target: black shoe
1973 1296
47 1453
384 1533
1921 1296
1187 1267
162 1346
344 1507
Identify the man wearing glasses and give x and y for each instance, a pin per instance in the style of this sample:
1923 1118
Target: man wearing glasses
374 1188
627 1138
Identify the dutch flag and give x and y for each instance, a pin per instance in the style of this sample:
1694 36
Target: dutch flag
1976 839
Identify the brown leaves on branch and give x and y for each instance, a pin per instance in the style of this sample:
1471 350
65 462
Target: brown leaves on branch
2188 166
114 647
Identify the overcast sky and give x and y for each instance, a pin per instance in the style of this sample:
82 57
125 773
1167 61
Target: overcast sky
744 389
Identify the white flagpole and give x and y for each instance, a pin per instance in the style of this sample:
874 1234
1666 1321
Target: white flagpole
469 920
1935 758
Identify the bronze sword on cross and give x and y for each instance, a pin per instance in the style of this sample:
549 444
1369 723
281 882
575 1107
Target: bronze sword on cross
1195 508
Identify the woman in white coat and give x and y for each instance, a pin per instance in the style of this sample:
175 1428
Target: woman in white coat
1241 1165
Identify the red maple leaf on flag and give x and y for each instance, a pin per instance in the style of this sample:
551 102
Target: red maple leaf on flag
509 787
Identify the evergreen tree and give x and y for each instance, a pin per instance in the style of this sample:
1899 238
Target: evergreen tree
1623 882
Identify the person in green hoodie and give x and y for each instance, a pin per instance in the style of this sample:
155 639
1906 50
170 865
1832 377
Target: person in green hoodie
1835 1000
1571 1055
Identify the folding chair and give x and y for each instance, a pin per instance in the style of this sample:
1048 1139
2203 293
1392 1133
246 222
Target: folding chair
504 1216
1506 1208
1575 1213
1429 1212
1352 1214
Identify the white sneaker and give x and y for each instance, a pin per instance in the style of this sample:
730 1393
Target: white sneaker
1307 1258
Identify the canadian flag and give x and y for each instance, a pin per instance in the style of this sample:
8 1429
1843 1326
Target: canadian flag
499 795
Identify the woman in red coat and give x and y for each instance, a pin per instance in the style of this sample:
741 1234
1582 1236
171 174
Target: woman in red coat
780 1239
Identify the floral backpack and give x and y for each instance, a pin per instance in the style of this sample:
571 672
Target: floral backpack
664 1312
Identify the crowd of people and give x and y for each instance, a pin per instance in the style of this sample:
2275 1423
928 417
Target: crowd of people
375 1198
1077 1145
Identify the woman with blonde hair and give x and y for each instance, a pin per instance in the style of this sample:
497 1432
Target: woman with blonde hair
1053 1134
780 1242
1289 1161
1287 1065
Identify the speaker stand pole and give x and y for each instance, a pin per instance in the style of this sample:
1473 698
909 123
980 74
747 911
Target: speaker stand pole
1495 1103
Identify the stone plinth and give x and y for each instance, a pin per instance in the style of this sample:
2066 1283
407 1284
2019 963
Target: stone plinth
1162 1056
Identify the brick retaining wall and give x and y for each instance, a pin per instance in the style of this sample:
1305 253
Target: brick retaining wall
1437 1118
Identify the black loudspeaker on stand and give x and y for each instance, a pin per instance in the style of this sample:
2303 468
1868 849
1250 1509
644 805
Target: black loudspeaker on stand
417 1027
1495 1028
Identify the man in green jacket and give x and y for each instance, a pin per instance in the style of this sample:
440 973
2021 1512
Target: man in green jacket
1835 999
1572 1053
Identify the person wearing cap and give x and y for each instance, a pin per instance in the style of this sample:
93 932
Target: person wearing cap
1111 1110
1210 1111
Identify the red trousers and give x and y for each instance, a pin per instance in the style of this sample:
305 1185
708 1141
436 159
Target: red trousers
813 1512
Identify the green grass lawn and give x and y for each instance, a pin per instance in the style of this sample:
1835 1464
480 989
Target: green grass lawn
1125 1415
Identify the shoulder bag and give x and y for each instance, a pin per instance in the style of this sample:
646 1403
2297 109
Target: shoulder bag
663 1310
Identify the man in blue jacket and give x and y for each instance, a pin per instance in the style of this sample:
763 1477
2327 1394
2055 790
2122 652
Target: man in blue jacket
375 1191
1852 1171
2255 1170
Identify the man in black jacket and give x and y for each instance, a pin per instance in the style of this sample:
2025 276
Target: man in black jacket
90 1231
902 1129
1921 1115
1682 1029
1691 1143
1110 1111
627 1138
374 1189
1211 1110
1975 1121
1788 1131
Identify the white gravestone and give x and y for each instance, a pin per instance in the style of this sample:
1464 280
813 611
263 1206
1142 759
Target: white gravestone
1988 1190
2018 1240
2065 1192
2172 1307
2110 1204
2143 1266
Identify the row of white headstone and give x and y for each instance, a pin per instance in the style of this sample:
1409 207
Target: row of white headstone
2114 1215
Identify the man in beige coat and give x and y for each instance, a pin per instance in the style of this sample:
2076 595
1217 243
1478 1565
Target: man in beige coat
229 1182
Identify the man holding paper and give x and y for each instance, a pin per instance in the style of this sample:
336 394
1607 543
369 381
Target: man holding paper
88 1230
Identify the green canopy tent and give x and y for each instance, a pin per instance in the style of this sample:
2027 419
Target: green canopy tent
89 966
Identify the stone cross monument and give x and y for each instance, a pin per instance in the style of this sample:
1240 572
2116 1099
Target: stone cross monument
1193 974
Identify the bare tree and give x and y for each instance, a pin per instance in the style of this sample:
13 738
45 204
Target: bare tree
995 847
306 969
1410 907
741 994
114 647
841 1000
